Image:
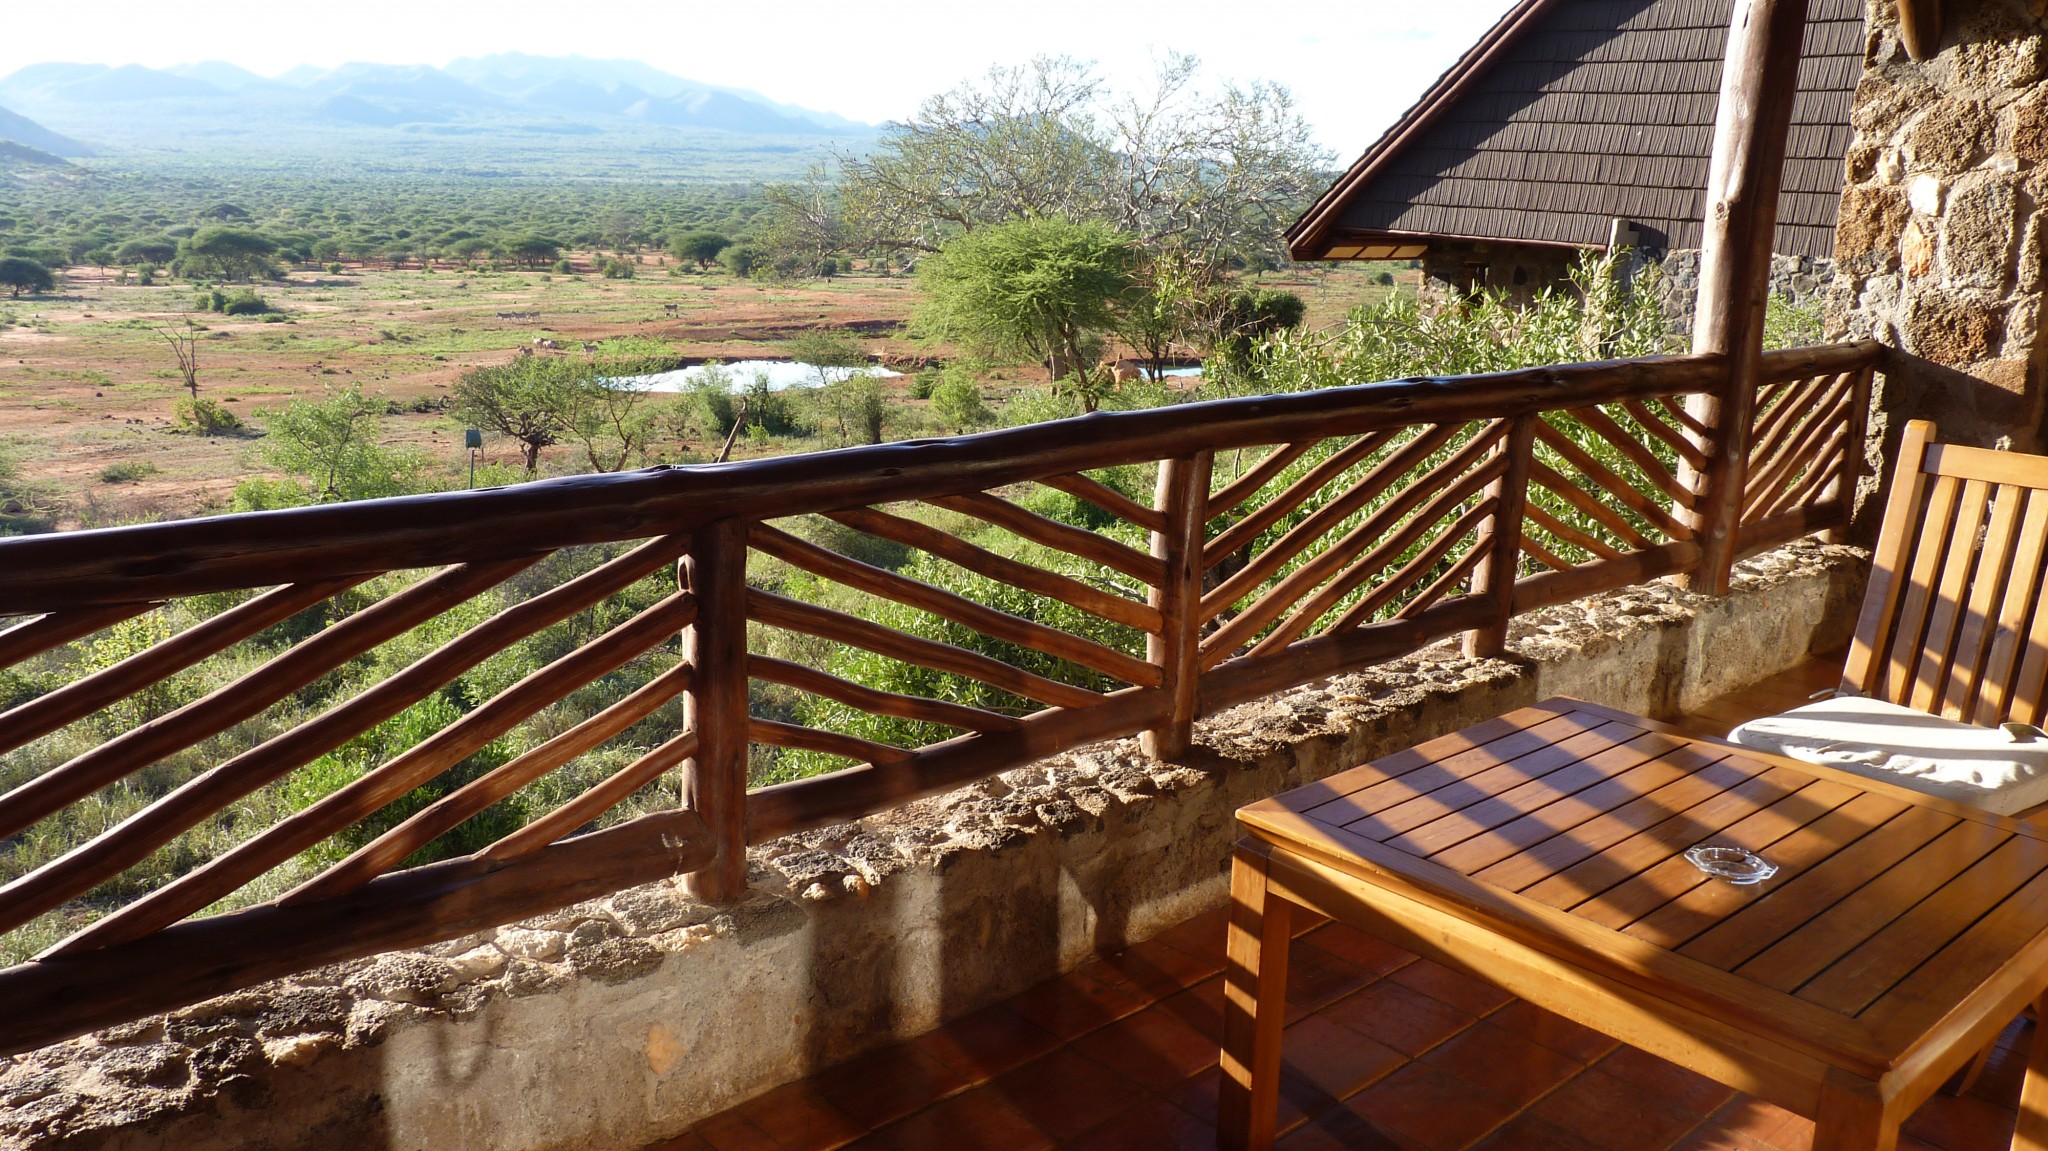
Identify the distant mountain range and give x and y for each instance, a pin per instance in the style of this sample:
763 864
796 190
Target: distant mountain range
22 130
506 92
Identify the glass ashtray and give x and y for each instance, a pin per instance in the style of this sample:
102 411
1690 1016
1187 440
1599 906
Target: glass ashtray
1737 865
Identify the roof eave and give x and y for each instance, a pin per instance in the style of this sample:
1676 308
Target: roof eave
1309 237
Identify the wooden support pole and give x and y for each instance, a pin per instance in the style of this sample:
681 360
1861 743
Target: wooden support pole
1501 534
1183 500
1758 84
715 707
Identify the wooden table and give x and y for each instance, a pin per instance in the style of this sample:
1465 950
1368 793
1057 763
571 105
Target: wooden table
1541 851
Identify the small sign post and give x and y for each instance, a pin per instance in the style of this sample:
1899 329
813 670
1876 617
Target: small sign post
474 441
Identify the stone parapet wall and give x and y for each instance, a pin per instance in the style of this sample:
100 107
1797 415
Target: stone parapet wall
616 1023
1940 242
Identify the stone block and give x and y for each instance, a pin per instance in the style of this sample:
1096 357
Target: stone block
2028 138
1868 227
1979 233
1950 330
1916 249
1950 136
1886 98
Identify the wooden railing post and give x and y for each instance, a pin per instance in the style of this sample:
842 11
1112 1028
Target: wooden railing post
1183 498
1501 533
1758 84
715 706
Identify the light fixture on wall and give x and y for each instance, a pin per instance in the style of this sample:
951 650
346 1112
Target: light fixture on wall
1920 27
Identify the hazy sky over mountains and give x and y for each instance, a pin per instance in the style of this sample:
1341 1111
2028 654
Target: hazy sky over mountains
1353 65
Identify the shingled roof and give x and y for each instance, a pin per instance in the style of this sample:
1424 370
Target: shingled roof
1570 114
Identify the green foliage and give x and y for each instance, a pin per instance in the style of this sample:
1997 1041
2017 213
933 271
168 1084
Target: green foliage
956 400
1794 325
227 254
544 400
740 259
331 445
1043 288
127 472
699 245
612 269
1250 314
202 416
20 274
825 350
240 302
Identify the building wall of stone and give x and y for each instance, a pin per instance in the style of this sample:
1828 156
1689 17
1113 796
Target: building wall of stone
1940 237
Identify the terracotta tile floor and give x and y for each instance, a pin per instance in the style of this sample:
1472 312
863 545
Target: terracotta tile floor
1384 1052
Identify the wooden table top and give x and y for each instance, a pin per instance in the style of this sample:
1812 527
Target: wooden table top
1562 826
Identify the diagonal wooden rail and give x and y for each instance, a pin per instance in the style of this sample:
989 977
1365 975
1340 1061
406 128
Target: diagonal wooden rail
634 645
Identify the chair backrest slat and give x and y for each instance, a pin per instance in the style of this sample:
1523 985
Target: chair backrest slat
1983 595
2022 588
1945 610
1949 622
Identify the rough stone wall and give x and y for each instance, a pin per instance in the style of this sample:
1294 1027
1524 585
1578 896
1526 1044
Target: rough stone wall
617 1023
1797 279
1940 236
1518 271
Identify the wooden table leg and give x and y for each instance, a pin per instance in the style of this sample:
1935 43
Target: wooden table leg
1254 1006
2031 1133
1852 1116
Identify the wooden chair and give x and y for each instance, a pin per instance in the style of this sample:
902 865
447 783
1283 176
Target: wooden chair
1947 676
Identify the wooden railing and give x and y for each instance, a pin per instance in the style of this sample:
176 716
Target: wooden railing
1290 537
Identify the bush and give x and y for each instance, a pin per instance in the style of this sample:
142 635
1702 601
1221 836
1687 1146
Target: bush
564 268
127 471
207 418
244 302
334 268
615 269
957 402
740 259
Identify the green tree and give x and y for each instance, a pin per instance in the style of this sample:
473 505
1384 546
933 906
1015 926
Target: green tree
1044 288
1217 174
740 259
956 401
532 251
160 250
227 253
826 352
701 246
331 443
529 400
22 274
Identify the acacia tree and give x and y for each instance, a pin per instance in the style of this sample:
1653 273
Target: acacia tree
22 274
227 253
529 399
1043 288
1216 175
332 443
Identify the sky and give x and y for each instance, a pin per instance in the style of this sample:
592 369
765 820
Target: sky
1353 65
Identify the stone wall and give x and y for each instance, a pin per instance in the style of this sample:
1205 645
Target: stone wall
1799 280
1940 236
617 1023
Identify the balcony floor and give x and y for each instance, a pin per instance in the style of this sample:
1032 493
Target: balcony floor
1384 1051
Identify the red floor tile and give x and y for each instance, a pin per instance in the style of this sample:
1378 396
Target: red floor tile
1665 1080
1064 1094
1399 1017
1074 1004
1962 1123
1342 1129
1766 1123
1512 1069
1434 1108
1200 1007
797 1117
1334 1057
1152 1125
729 1132
1357 948
1553 1031
1614 1114
887 1084
1153 968
1528 1133
1316 978
987 1043
975 1121
1455 988
1201 938
1154 1048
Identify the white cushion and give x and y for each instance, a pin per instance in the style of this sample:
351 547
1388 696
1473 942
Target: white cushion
1982 766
